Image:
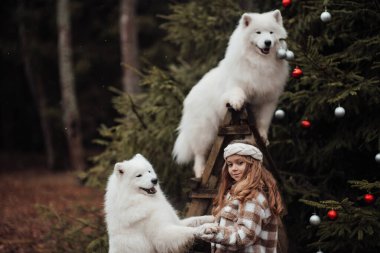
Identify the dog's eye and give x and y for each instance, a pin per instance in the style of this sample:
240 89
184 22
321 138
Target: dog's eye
149 171
271 32
139 175
258 32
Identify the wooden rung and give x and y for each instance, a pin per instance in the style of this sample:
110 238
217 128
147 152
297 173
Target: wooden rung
203 194
234 130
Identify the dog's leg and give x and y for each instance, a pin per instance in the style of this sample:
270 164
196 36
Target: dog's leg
197 220
263 117
199 165
174 238
130 242
234 96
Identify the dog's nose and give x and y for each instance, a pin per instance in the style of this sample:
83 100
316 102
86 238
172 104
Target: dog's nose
267 43
154 180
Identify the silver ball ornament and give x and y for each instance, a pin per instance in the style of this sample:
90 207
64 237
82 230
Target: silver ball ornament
281 53
339 112
279 114
377 157
319 251
289 55
325 16
315 220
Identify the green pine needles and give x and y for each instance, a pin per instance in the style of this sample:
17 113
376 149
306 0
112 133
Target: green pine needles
340 61
355 229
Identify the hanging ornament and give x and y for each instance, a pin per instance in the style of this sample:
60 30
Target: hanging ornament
332 214
297 72
369 198
279 114
325 16
281 53
305 123
319 251
315 220
289 55
286 3
377 157
339 112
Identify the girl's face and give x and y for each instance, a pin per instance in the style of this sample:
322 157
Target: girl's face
236 165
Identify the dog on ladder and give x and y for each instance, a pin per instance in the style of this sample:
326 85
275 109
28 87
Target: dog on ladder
250 72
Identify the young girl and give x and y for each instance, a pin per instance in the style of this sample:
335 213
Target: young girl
248 205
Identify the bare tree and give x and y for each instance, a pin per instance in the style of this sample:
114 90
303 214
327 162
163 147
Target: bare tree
71 119
129 46
35 83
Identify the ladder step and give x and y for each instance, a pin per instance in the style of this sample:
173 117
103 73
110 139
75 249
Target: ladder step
234 130
203 194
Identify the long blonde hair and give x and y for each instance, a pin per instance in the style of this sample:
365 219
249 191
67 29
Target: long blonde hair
256 179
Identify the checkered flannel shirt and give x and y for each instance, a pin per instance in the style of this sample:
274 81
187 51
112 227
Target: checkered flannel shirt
254 229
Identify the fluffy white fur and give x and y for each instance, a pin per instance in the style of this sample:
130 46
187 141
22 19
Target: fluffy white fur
250 72
139 217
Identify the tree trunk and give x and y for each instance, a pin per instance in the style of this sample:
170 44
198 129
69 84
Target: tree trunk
36 87
71 118
129 46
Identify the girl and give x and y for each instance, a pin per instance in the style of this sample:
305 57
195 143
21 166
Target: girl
248 205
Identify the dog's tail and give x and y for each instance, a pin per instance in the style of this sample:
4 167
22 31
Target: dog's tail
182 152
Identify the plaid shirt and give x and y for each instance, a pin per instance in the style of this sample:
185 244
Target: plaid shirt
252 230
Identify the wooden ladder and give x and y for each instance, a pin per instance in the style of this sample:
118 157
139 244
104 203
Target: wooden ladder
236 125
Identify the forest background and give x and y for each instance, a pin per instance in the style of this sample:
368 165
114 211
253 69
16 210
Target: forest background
77 79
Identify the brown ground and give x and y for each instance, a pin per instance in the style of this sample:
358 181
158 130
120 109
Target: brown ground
22 229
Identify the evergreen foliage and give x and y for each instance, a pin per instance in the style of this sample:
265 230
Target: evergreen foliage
340 62
149 121
340 67
356 228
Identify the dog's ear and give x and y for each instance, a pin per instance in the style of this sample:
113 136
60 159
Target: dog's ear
246 20
140 156
277 16
119 169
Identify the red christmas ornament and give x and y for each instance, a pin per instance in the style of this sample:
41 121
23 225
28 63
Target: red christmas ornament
286 3
369 198
332 214
297 72
305 123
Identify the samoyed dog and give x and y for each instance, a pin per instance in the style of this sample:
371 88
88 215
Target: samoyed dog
138 216
250 72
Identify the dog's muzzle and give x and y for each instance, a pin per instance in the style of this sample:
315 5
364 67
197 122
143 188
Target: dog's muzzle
150 190
264 50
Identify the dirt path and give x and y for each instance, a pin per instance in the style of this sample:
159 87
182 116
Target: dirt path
22 229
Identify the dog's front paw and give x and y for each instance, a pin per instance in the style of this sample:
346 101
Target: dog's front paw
206 231
236 103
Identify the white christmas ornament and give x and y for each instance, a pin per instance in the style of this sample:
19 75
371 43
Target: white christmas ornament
281 53
339 112
289 55
279 114
377 157
325 16
315 220
319 251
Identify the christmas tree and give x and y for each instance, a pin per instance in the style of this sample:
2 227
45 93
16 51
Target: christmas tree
335 45
339 59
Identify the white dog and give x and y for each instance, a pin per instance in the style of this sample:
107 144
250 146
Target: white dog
250 72
139 218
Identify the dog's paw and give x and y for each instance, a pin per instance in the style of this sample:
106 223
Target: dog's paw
206 231
236 103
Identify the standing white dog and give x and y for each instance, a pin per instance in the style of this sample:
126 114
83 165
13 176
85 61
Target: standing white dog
250 72
139 218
